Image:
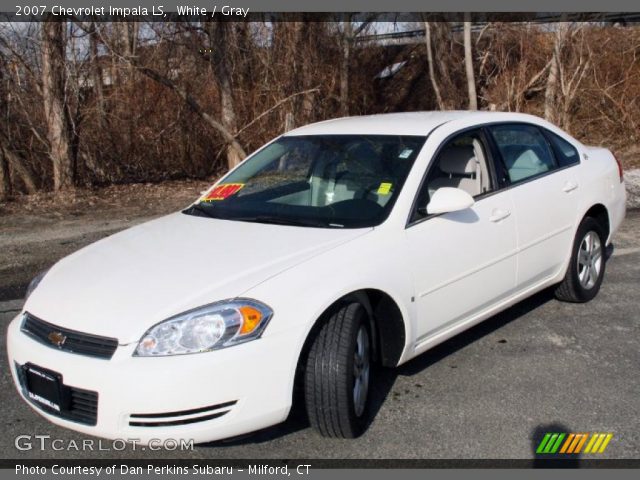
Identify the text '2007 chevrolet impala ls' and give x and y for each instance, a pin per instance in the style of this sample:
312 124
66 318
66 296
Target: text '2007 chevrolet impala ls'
337 246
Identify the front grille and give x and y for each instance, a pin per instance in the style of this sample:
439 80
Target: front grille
184 417
81 405
74 342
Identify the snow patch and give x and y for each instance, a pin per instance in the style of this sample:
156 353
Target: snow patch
632 182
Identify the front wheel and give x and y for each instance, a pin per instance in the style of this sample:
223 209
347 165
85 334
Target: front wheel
586 268
339 373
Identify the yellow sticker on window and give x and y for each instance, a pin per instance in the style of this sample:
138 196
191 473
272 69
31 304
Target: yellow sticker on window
222 191
384 188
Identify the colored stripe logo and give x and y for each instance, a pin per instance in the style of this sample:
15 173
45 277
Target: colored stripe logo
573 443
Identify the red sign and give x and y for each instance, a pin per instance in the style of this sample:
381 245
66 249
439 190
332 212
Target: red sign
222 191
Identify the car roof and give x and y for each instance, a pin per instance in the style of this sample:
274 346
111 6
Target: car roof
410 123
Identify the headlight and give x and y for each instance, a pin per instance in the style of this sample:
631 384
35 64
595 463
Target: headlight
207 328
34 283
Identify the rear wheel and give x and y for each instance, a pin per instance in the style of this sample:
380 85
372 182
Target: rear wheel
586 268
338 374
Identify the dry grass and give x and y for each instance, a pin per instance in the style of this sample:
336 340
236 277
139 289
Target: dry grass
137 199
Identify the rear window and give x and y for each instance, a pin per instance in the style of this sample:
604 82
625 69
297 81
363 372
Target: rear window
566 154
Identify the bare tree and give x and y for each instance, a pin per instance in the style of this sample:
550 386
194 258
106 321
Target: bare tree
468 63
293 53
16 74
431 65
551 91
573 70
14 163
196 107
222 34
53 96
443 58
96 72
347 39
125 42
345 64
5 181
615 92
512 69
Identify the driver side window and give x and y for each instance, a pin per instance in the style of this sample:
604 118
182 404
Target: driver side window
461 163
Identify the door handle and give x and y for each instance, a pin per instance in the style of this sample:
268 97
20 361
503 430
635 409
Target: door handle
498 215
569 187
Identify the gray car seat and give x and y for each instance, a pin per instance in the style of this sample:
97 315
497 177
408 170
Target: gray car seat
460 169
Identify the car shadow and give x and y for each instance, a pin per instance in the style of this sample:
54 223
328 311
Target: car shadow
474 334
385 377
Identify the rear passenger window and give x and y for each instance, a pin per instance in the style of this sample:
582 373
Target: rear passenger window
525 151
566 154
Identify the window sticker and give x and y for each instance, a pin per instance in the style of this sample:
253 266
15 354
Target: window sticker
384 188
405 153
221 192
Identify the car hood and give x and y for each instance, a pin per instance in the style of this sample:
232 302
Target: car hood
122 285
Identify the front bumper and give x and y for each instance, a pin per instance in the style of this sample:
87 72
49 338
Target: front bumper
200 397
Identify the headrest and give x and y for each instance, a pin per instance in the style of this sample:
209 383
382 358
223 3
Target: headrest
458 160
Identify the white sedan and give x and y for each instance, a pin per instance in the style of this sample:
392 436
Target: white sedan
338 246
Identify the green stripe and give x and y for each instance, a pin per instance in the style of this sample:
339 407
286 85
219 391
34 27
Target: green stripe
543 443
558 442
547 449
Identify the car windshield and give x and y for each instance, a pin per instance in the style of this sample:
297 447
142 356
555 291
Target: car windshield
329 181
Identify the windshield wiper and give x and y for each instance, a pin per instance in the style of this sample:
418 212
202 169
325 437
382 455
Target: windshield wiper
297 222
199 208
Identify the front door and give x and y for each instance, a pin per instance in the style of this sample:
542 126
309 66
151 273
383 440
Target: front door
462 262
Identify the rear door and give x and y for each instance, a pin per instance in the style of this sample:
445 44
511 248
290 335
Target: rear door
545 192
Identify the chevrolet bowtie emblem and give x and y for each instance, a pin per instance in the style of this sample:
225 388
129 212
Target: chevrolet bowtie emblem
57 338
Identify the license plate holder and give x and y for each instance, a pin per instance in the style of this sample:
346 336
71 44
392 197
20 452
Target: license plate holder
44 387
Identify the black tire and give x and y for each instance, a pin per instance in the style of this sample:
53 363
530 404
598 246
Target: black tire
330 379
572 289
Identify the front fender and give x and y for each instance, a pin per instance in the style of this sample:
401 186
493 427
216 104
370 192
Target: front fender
300 295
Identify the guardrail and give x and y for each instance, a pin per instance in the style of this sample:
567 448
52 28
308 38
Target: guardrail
415 36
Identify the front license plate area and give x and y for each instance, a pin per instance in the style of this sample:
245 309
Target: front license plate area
44 387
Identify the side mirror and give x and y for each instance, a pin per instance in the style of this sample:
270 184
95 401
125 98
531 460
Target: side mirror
448 199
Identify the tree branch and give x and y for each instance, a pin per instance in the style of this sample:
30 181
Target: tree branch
193 104
269 110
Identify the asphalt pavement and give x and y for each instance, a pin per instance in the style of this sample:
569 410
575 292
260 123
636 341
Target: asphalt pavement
491 392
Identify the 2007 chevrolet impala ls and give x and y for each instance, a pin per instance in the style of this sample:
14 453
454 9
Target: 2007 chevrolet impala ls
338 245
